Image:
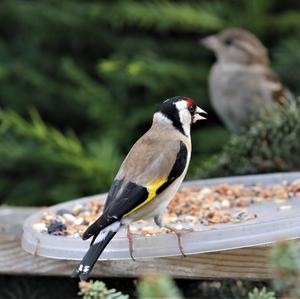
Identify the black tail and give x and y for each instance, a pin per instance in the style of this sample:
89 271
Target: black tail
86 265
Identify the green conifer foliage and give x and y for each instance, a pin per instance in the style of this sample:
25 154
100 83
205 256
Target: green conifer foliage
272 144
99 69
39 164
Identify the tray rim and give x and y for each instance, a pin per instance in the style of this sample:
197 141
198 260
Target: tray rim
27 241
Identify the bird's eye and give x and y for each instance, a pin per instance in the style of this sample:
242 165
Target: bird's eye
192 109
228 41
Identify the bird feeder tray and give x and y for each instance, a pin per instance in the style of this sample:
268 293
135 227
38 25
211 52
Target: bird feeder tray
273 222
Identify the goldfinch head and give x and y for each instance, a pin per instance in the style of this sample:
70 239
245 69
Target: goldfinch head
179 111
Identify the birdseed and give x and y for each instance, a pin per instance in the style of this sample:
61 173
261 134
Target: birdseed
191 206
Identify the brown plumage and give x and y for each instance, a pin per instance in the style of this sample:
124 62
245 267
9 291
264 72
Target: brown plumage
158 148
241 82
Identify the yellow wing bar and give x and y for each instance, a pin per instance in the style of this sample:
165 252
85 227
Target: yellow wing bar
152 189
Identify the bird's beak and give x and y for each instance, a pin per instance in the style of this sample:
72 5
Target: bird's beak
197 116
211 42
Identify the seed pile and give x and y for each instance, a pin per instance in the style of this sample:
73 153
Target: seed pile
224 203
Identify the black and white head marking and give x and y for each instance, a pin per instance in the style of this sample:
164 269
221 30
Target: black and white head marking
179 111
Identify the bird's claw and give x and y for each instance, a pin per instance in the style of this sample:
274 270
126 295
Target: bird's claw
179 233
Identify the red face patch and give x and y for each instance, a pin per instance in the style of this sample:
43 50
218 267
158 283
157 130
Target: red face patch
190 102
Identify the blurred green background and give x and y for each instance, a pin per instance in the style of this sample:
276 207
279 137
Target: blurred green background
80 80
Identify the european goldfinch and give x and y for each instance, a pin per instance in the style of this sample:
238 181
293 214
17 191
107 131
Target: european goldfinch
148 178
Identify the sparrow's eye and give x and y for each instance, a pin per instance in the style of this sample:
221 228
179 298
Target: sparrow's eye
228 41
192 109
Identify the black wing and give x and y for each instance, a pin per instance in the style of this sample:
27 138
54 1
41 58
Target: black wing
113 191
131 196
177 169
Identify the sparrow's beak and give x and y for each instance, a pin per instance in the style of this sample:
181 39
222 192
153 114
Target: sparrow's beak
197 115
211 42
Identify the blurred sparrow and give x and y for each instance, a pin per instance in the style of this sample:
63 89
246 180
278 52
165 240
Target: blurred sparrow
241 82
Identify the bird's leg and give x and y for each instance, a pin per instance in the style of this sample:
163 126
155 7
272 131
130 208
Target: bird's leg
177 232
130 240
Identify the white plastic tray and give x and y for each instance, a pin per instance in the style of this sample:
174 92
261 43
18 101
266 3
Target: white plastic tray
271 224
